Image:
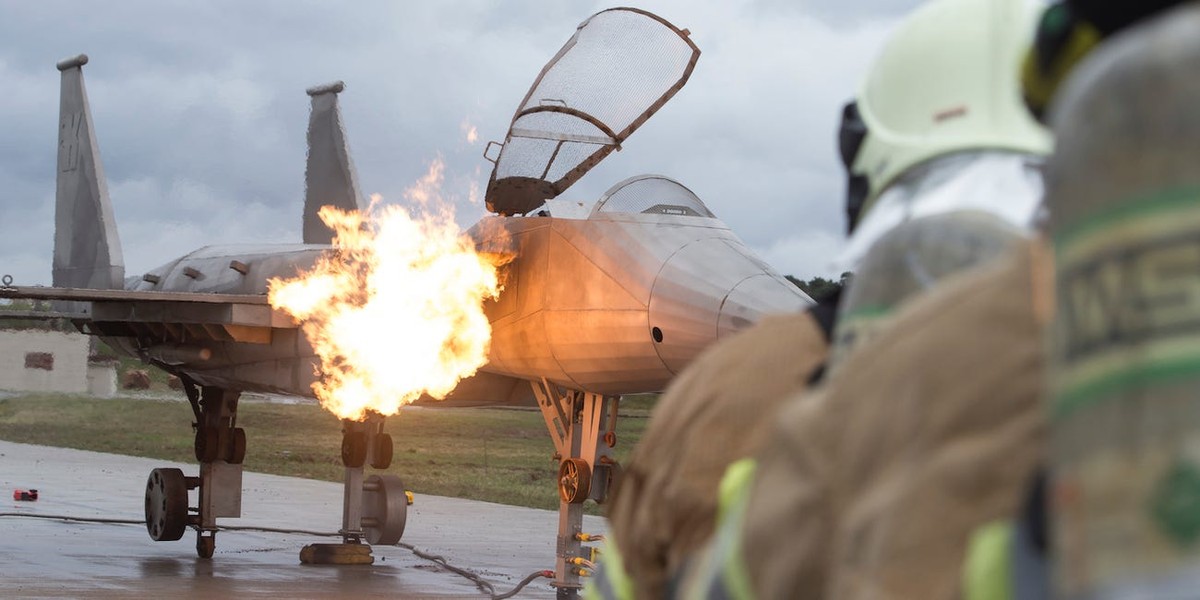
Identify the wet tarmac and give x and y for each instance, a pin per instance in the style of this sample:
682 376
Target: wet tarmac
43 558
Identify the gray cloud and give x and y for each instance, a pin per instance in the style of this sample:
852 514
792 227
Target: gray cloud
836 12
200 112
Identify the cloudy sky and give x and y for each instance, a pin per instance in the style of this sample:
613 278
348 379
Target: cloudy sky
200 111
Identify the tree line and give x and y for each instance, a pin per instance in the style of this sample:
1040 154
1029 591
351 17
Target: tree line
820 287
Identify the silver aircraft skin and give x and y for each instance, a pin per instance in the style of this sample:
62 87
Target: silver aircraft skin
600 300
621 302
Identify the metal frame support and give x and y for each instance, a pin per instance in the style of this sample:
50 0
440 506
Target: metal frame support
582 426
220 482
352 492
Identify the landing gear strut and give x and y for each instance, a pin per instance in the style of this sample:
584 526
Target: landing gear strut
375 507
583 427
220 447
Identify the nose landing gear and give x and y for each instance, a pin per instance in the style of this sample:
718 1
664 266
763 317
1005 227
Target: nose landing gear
583 427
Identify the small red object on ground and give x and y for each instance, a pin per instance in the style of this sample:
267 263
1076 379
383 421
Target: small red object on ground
25 495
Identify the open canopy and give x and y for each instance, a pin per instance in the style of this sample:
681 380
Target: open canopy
619 68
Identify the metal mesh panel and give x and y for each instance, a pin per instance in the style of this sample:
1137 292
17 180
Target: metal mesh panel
620 67
652 194
569 157
535 140
618 63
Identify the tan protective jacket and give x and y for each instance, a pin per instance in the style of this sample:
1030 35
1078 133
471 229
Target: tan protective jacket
871 486
717 411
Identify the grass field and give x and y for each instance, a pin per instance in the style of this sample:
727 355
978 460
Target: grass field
498 455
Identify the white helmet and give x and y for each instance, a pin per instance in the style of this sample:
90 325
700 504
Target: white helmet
944 158
946 81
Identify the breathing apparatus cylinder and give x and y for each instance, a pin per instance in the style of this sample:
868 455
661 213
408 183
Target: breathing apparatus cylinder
1123 192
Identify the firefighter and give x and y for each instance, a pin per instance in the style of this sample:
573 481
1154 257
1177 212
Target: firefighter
715 412
929 424
945 171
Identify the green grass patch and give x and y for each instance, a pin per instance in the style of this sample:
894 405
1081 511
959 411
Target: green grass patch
492 454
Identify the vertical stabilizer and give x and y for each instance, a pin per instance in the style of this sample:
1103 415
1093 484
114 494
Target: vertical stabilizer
329 178
87 251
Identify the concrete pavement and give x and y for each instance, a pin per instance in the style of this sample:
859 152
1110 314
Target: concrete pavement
48 558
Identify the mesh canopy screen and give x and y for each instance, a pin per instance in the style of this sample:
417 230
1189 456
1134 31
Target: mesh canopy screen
652 194
532 151
619 63
620 67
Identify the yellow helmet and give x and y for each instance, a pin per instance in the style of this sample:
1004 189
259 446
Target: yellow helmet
946 81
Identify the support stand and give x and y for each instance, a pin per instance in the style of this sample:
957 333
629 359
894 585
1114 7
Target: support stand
359 446
583 427
374 508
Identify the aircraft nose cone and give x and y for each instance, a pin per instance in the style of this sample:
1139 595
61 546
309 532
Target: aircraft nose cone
757 296
708 289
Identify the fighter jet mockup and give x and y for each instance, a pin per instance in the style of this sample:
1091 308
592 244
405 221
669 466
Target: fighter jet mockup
600 300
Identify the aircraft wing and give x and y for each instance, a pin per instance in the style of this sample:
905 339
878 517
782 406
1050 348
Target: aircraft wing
179 322
177 317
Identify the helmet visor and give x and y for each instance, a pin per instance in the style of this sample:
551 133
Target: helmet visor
1007 185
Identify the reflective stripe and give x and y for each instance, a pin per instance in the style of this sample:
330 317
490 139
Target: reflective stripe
987 570
719 572
609 581
735 486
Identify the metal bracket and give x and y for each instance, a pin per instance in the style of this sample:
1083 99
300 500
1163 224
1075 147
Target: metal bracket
193 396
488 148
554 411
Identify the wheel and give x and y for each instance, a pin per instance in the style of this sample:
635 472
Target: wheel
207 444
574 479
384 509
166 505
354 449
237 448
205 545
382 458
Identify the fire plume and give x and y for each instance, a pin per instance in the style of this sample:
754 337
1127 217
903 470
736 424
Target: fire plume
395 310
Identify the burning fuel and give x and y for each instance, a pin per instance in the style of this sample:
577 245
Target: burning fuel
396 309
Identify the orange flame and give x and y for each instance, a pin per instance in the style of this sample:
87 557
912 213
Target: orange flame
396 310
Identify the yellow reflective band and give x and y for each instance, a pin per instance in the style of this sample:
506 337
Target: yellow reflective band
610 582
733 498
718 571
735 485
987 570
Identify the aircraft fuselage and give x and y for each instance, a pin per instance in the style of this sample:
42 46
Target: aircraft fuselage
619 303
616 303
